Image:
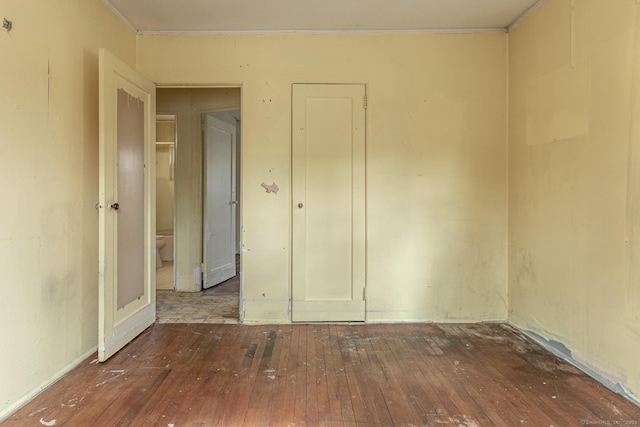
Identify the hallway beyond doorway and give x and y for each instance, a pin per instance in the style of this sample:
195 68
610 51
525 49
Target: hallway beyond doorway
219 304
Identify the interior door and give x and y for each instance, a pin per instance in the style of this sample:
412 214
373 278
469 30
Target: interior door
328 255
127 222
219 240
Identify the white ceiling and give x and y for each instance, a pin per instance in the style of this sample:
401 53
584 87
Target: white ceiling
150 16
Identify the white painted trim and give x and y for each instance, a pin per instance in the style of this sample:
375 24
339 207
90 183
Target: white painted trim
44 385
525 14
319 32
197 85
165 117
121 16
430 321
275 322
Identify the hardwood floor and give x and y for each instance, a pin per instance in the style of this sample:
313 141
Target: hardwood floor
328 375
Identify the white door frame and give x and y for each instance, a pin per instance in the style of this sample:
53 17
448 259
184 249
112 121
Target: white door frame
214 85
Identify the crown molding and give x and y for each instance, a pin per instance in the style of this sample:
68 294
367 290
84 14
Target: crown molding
320 32
121 16
526 13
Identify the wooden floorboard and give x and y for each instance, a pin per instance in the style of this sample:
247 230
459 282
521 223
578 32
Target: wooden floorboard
328 375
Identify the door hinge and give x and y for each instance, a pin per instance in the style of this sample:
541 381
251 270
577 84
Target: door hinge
364 101
364 293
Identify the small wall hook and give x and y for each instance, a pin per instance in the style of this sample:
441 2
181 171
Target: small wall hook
7 25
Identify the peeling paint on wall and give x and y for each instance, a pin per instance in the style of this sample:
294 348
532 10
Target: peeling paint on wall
273 188
561 350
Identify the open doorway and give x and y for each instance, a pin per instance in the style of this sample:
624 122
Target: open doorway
165 200
182 298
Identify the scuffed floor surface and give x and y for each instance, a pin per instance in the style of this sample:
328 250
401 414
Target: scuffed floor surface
198 307
328 375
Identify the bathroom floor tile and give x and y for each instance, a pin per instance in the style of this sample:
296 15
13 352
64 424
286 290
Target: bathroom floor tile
164 276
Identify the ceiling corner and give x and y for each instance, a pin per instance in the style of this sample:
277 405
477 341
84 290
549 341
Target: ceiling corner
121 16
526 13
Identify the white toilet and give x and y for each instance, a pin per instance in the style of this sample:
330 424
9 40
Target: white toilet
159 244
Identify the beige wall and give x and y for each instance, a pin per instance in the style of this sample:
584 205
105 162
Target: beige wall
48 171
436 161
188 106
574 211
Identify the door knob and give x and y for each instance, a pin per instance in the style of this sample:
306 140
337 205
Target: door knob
115 206
300 205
